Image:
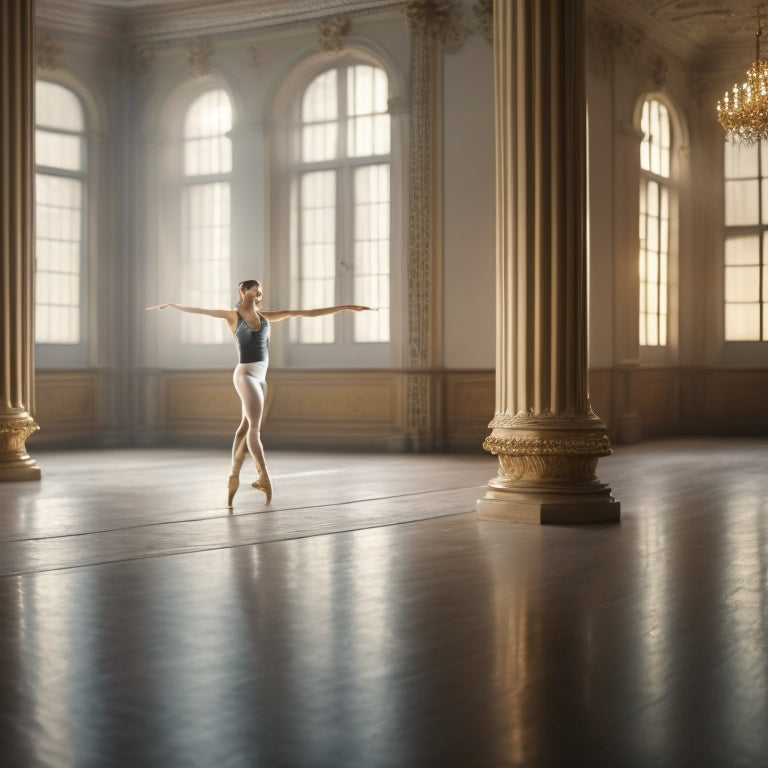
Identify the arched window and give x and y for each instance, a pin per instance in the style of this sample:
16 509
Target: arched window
746 242
60 188
340 206
656 205
206 212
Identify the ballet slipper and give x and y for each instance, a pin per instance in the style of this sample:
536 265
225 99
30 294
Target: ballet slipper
232 484
264 484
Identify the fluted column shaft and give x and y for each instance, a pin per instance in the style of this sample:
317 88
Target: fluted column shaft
17 125
546 436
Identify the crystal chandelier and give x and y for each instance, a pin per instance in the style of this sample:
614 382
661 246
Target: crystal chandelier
743 113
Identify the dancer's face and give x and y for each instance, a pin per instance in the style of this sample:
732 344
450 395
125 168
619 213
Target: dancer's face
255 294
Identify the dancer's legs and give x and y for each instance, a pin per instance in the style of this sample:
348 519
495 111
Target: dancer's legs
250 388
239 447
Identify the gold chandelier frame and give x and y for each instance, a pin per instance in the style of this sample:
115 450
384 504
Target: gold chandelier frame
743 112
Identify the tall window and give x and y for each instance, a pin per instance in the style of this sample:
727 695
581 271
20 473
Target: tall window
746 242
60 182
206 213
655 205
340 206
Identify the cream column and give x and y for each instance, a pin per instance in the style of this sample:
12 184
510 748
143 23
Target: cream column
17 125
544 432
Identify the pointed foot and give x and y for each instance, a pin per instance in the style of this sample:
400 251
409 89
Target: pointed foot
264 484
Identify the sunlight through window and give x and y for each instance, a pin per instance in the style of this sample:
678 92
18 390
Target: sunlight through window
340 206
655 152
60 191
207 213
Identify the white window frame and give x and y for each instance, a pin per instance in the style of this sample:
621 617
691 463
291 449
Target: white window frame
285 170
660 354
212 332
759 230
72 354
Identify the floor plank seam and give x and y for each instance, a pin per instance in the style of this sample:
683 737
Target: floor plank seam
295 536
239 515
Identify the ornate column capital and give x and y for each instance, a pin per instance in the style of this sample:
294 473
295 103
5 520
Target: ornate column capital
439 19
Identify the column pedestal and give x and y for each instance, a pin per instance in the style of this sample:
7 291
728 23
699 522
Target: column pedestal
15 462
547 473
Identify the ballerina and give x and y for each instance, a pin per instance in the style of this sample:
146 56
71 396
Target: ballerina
250 326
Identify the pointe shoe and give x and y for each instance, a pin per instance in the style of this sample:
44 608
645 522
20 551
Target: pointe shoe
264 484
232 484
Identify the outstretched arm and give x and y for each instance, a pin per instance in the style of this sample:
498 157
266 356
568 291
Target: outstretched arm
225 314
274 315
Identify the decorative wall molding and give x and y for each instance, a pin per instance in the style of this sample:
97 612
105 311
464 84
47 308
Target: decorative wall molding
608 38
46 52
199 52
659 71
166 22
440 19
331 31
483 12
253 55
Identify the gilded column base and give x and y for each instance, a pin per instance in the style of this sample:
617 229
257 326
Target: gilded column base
15 462
547 472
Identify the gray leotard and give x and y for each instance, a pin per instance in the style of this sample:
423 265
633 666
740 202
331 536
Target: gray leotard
252 346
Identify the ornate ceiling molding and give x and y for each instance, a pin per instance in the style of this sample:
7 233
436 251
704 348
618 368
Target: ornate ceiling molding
165 20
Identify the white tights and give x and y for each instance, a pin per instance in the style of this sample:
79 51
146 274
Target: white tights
250 382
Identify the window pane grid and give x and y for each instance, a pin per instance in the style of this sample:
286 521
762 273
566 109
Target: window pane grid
207 216
59 227
744 264
317 255
371 249
655 149
653 264
207 213
341 205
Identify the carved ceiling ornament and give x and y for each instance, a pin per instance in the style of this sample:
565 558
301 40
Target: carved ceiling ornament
331 32
608 38
140 58
659 71
46 51
441 18
253 55
483 11
199 52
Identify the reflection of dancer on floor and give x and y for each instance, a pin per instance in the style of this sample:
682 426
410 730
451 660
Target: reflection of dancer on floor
250 326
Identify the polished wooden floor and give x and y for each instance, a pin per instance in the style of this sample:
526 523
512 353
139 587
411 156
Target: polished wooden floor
368 619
